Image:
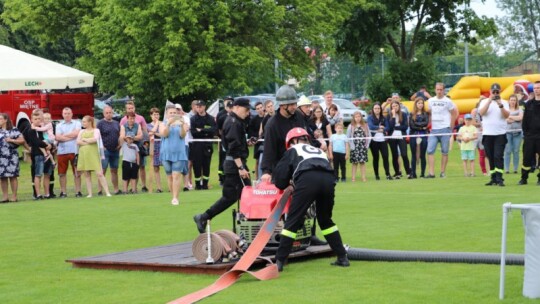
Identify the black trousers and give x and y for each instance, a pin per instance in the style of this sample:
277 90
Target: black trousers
377 147
222 155
231 192
339 163
402 144
423 149
202 155
318 186
494 148
531 147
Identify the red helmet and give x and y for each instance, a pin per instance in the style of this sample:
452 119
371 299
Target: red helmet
295 133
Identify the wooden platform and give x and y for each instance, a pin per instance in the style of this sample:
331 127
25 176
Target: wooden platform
176 258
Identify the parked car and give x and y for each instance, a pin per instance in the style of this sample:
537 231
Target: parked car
346 107
98 110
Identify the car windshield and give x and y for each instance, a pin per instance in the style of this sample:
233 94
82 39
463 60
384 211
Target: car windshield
344 104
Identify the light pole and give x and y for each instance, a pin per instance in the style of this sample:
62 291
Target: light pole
382 61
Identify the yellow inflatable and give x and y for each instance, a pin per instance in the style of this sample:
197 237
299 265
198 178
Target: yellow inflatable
466 93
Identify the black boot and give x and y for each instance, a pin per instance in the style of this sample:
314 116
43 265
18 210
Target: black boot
205 184
200 221
493 180
524 177
285 245
342 261
334 240
499 178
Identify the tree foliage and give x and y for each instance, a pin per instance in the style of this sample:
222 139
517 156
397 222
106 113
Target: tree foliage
183 49
521 28
403 26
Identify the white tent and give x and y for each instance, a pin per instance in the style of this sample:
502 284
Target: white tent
23 71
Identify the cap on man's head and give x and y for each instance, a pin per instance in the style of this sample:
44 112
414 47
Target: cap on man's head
495 87
395 94
467 116
228 98
200 102
178 106
241 102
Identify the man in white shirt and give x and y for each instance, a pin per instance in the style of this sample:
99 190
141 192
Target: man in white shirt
443 114
494 112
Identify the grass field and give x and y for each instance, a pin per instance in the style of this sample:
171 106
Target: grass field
451 214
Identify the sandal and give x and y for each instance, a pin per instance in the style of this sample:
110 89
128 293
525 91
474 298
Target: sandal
4 201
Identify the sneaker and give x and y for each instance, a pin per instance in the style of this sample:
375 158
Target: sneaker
144 189
52 195
119 192
79 194
442 175
501 184
109 195
430 176
100 193
388 177
200 222
186 189
174 202
63 195
492 183
377 177
522 182
159 191
46 197
39 197
343 180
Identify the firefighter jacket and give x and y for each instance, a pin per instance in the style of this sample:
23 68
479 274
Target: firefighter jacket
206 124
531 120
234 141
297 160
275 133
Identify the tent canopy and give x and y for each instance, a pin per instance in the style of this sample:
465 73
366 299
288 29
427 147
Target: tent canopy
23 71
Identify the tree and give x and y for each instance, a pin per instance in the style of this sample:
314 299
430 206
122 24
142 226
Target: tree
406 25
520 28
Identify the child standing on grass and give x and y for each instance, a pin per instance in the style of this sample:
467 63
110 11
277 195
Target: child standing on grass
338 151
357 133
130 164
467 135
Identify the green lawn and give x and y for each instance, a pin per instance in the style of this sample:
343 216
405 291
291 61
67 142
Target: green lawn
451 214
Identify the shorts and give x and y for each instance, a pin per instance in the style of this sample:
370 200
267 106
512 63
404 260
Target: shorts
64 160
175 166
434 138
129 170
142 162
112 158
41 167
468 154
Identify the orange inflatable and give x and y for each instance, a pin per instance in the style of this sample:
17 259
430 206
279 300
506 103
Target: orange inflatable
466 93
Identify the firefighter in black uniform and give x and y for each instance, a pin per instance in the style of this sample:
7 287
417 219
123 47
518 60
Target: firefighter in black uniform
235 168
203 126
312 178
220 119
531 134
275 133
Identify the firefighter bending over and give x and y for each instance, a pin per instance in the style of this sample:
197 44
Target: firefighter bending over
313 180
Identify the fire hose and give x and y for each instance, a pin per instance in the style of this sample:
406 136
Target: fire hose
251 254
223 246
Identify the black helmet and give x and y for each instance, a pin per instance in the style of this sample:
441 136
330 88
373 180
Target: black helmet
286 95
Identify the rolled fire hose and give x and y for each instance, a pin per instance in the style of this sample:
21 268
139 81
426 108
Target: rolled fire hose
363 254
222 243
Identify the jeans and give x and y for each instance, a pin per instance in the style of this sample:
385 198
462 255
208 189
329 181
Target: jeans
512 147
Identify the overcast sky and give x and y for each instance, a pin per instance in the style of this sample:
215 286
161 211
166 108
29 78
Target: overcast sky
488 8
